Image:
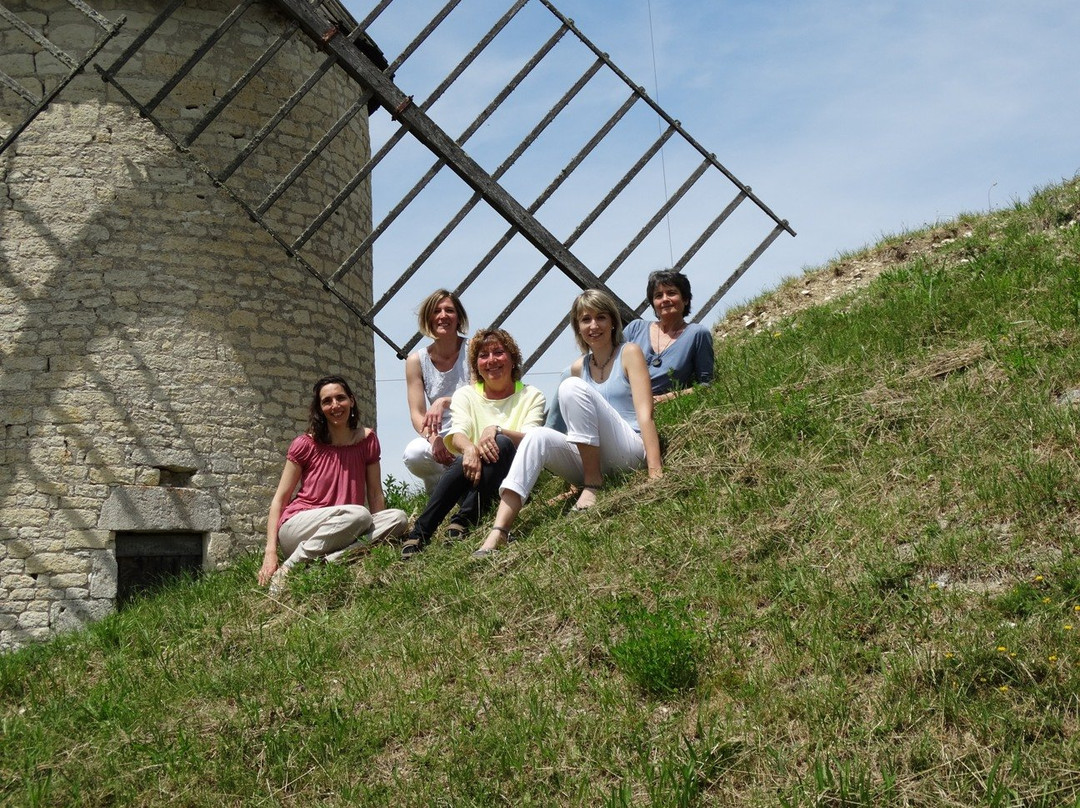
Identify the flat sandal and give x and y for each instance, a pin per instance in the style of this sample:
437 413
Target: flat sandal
485 552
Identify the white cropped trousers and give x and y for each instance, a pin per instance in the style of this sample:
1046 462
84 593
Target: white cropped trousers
589 420
421 463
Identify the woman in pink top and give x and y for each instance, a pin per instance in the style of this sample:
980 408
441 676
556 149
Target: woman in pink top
330 496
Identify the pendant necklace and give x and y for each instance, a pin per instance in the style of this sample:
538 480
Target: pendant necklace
656 361
601 368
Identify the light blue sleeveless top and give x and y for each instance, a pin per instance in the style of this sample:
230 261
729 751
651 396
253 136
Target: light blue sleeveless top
615 389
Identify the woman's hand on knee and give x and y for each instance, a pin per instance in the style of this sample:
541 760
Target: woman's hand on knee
471 464
441 453
488 445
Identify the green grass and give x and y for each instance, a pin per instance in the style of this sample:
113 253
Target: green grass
858 583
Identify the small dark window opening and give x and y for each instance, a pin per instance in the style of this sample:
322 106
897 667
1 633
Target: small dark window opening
175 478
146 561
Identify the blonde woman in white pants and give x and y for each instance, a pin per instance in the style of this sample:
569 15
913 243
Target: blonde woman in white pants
432 376
607 405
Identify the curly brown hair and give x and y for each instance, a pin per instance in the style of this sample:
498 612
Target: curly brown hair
485 335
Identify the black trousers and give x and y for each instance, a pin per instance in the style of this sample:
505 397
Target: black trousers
454 488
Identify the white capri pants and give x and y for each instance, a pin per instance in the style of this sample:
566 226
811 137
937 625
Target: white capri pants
589 420
317 532
422 464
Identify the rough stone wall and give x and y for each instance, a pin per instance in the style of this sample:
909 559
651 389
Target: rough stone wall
157 347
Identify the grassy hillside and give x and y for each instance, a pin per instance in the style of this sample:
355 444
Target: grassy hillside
857 584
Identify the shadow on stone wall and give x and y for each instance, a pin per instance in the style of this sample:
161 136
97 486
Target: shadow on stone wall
150 330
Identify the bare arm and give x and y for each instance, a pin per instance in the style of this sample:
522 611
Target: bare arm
633 361
427 421
373 479
414 386
672 394
290 478
471 460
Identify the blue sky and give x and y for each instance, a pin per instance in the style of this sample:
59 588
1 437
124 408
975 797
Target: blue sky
852 120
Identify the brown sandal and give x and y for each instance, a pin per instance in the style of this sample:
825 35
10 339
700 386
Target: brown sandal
412 546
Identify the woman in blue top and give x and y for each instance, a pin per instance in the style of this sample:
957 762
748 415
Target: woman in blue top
607 405
679 354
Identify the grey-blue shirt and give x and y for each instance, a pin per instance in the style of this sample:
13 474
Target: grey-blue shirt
687 361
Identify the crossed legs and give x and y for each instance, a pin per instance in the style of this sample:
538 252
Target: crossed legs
318 532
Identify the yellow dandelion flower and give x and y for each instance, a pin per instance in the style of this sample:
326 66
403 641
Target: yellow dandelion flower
1012 655
948 654
1068 626
1002 649
1046 600
1004 688
1076 608
1052 658
1038 578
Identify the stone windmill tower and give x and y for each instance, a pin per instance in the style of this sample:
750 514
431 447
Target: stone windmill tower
186 233
157 345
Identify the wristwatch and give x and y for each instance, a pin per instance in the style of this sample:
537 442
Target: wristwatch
498 429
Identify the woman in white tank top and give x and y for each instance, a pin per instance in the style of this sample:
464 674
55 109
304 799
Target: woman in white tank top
432 374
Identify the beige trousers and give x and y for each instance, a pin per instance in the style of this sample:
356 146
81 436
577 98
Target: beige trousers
319 532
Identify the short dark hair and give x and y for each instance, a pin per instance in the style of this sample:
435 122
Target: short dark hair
317 426
669 277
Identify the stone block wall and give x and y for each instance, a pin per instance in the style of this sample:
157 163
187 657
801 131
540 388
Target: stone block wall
157 347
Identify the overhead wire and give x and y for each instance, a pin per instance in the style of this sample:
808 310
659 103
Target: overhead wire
659 127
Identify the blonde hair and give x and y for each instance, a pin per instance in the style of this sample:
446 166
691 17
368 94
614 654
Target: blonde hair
427 311
601 303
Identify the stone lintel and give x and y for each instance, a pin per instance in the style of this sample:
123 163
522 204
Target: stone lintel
152 508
